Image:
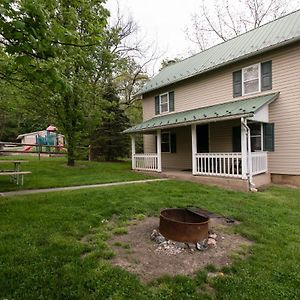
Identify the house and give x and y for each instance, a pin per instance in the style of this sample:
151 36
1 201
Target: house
229 114
53 137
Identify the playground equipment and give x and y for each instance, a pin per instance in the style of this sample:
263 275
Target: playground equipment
49 139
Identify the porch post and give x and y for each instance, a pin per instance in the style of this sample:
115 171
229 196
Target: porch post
194 149
158 134
244 149
132 152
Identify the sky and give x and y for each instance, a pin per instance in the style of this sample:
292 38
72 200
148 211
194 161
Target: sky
161 22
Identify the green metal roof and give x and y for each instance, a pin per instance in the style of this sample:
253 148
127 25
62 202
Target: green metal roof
229 110
284 30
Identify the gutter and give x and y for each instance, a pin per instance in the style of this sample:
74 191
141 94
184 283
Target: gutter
187 123
249 157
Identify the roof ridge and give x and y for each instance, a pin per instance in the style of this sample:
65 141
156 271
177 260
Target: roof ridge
234 37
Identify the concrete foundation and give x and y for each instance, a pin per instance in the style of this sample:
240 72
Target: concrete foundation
293 180
237 184
262 180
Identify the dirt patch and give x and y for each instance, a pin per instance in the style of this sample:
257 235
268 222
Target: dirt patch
143 259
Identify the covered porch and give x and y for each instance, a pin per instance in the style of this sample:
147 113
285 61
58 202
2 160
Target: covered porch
231 146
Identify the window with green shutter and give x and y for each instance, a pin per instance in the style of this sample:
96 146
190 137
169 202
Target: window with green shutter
168 142
252 79
171 101
269 139
157 105
164 103
266 76
237 83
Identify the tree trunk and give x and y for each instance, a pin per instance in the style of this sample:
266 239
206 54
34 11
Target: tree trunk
71 151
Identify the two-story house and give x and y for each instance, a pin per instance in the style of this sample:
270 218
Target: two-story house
229 114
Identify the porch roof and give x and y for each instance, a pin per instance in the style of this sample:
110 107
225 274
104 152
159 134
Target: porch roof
229 110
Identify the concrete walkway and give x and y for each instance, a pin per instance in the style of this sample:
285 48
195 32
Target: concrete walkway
77 187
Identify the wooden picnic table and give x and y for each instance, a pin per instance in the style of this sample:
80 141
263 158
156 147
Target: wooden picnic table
16 175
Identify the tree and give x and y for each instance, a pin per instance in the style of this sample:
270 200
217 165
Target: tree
50 43
167 62
224 20
107 142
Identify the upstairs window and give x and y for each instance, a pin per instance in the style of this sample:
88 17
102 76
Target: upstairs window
164 103
251 79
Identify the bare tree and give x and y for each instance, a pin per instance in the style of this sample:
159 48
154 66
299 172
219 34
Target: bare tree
135 58
219 20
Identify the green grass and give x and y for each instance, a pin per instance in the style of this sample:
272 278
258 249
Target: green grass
41 249
53 172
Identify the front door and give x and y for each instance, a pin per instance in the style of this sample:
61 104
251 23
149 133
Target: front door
202 139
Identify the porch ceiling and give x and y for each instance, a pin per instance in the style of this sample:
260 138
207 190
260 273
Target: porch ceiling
228 110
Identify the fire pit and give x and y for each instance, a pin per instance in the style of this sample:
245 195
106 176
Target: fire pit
183 225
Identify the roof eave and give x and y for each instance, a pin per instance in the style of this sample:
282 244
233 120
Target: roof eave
187 123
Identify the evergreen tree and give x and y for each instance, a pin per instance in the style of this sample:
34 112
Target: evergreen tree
108 142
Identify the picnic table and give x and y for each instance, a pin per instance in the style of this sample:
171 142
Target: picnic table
16 175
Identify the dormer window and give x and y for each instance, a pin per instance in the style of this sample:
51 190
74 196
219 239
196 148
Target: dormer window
164 103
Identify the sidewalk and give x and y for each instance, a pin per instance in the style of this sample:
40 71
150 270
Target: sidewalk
77 187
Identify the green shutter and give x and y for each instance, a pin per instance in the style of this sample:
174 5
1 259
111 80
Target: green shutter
237 83
173 142
171 101
236 139
157 105
269 143
266 76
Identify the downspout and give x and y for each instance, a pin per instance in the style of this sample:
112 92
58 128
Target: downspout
249 157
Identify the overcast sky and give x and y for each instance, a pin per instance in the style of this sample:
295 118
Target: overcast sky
162 22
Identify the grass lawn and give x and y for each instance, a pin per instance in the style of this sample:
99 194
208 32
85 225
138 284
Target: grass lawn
40 248
53 172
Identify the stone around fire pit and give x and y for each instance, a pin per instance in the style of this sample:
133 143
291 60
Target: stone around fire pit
150 256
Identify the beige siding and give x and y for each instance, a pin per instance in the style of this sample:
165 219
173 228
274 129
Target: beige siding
149 143
220 135
216 87
182 159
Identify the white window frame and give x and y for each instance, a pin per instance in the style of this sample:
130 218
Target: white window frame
259 79
168 102
169 133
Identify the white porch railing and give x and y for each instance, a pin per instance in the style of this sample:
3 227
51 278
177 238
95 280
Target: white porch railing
146 162
229 164
259 162
219 164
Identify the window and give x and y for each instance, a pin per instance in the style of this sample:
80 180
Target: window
164 103
251 79
168 142
165 142
256 136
